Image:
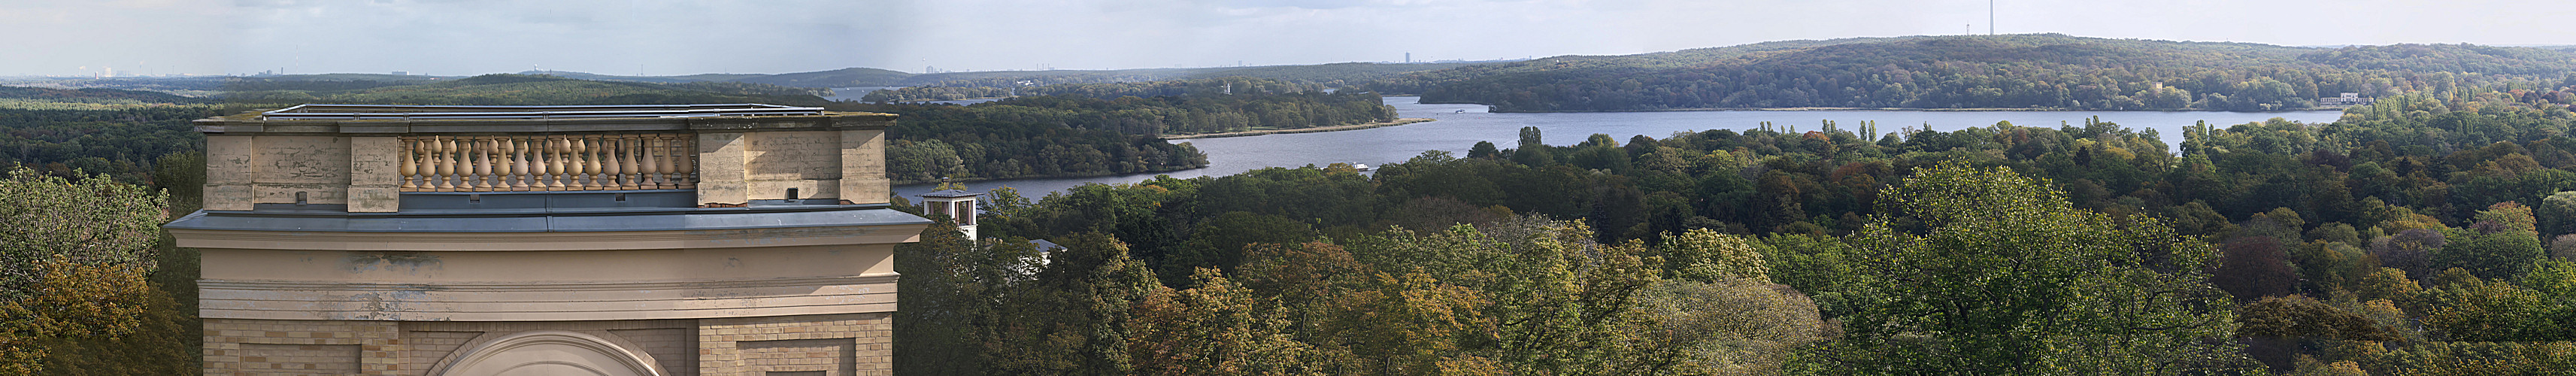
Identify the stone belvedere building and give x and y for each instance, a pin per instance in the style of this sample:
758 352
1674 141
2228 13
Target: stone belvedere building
736 239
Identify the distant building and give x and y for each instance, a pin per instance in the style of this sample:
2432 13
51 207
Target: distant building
958 205
547 240
2347 99
402 73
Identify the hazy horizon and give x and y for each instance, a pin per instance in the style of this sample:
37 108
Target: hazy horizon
634 37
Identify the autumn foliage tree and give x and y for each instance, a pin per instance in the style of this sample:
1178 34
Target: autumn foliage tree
73 257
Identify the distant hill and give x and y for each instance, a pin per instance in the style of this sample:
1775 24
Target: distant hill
2457 58
91 95
1417 83
1336 74
845 77
605 77
2047 71
514 89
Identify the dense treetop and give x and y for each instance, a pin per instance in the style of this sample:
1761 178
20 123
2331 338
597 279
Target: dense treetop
2005 71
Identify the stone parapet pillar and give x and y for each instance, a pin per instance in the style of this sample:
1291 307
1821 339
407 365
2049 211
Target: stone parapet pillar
230 162
863 167
720 175
374 182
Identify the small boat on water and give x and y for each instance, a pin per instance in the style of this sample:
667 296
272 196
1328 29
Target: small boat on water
1460 112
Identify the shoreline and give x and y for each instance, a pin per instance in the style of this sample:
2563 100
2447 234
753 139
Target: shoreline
1973 109
980 179
1401 121
1795 109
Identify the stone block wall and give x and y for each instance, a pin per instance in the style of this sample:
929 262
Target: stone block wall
825 345
818 345
290 347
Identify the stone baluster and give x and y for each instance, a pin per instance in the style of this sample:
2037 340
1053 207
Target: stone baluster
555 163
536 162
652 178
489 149
599 163
616 161
485 168
583 163
571 163
508 159
612 163
662 162
529 155
464 163
599 174
407 167
481 162
511 166
452 170
632 174
438 158
684 161
464 148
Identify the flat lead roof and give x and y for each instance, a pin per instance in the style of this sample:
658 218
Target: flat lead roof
389 112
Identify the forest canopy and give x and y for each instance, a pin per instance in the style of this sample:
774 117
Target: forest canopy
2046 71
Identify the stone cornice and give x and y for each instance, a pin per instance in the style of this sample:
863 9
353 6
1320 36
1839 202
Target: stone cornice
240 125
546 241
651 300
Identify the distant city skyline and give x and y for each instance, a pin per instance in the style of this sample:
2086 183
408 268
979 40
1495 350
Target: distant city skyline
636 37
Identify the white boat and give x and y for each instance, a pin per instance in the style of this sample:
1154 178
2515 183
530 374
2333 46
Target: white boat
1360 166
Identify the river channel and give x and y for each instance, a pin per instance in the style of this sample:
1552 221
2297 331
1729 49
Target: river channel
1459 126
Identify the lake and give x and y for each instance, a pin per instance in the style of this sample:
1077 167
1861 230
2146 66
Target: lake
1460 126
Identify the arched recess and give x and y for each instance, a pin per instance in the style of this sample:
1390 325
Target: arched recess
547 353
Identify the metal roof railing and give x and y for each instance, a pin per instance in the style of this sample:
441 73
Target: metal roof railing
418 112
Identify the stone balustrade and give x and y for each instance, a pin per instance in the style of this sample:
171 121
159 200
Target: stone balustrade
556 162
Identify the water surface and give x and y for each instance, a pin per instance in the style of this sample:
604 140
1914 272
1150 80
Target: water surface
1460 126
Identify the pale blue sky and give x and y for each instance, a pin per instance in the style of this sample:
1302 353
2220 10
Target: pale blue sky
463 37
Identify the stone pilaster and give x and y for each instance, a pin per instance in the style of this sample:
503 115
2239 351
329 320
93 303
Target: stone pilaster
374 176
231 166
863 167
720 168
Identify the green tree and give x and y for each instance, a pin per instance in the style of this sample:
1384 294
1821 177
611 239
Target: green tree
2557 214
1994 273
2478 310
2501 244
73 260
953 294
1074 318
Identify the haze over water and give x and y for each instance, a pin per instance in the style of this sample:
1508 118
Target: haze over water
1460 126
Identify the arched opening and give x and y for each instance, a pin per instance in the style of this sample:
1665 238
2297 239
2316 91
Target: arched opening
547 353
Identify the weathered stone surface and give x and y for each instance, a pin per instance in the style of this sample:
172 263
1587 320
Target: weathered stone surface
806 161
374 174
720 175
230 169
863 167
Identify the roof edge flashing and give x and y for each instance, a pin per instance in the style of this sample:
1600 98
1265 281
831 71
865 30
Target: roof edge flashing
312 111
